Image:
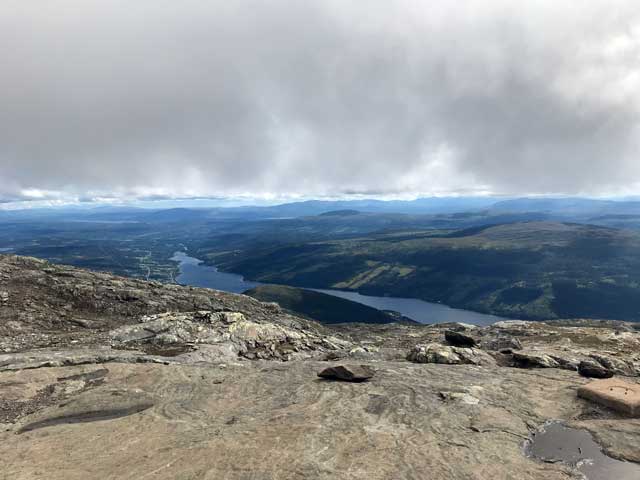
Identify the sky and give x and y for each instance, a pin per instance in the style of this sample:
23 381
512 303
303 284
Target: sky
154 99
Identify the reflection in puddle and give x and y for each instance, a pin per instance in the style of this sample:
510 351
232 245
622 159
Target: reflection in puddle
557 443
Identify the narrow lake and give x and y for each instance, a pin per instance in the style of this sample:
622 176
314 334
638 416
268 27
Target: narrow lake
193 272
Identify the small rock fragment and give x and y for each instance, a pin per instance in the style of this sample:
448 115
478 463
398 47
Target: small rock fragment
592 369
348 373
460 397
4 297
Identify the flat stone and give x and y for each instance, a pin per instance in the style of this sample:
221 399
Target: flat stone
348 373
613 393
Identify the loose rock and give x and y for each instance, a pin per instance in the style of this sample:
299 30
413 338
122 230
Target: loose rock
459 339
592 369
534 360
348 373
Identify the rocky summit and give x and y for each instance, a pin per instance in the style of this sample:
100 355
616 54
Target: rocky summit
110 377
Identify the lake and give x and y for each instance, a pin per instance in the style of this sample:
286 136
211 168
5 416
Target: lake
193 272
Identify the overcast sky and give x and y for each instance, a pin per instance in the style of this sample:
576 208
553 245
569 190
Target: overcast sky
153 98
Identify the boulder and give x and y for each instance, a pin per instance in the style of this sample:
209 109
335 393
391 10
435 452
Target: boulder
592 369
444 354
474 356
615 365
459 339
434 353
348 373
506 344
531 359
566 361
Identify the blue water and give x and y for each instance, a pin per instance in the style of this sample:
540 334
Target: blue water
193 272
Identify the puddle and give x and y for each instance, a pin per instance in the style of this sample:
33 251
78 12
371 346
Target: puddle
90 416
556 442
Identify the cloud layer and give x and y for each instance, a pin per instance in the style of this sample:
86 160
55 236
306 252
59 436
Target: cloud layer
157 97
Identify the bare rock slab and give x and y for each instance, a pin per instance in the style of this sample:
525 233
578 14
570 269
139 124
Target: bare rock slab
613 393
348 373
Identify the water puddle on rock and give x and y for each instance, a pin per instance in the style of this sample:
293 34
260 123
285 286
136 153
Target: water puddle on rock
555 442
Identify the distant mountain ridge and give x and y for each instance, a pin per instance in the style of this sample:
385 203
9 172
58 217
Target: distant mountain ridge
562 206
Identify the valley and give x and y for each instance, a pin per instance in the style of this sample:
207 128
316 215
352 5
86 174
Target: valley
518 259
533 270
326 306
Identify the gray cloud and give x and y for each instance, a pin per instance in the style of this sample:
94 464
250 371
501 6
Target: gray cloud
194 98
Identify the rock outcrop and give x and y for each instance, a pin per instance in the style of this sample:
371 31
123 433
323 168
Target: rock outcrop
250 339
444 354
51 305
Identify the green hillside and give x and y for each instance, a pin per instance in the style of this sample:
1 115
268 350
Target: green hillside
319 306
535 270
